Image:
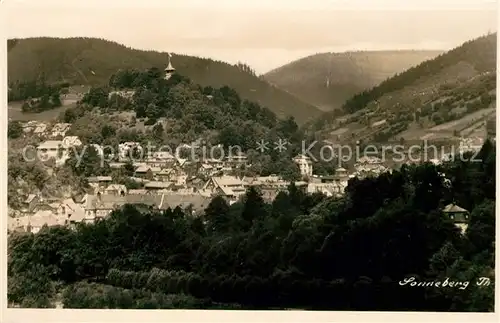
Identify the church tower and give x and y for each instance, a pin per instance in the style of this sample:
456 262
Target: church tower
170 70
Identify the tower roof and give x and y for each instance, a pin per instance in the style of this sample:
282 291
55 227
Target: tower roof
169 68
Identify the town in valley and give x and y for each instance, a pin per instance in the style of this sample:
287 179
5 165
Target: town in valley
343 181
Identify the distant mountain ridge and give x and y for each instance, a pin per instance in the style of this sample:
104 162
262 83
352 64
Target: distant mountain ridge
92 61
448 97
327 80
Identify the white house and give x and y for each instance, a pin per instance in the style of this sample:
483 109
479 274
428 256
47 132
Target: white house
305 165
228 186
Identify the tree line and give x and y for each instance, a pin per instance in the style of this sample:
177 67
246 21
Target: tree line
37 94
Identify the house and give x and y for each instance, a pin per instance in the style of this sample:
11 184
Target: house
206 169
271 186
160 159
216 164
138 192
100 206
29 126
181 179
228 186
40 129
144 171
341 173
57 149
166 174
139 180
237 159
458 215
60 129
326 179
124 94
154 185
39 219
470 144
116 189
195 183
18 223
99 180
70 212
164 155
305 165
31 202
50 149
365 160
329 189
116 165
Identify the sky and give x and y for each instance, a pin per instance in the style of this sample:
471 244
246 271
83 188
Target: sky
263 34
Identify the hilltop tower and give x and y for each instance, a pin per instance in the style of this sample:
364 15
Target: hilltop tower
169 70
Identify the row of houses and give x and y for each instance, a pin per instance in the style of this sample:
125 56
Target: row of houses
108 196
93 207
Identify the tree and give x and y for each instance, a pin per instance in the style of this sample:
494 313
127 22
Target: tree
14 130
86 162
254 206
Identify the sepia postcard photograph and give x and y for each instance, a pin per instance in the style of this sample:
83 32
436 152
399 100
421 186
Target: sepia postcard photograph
278 156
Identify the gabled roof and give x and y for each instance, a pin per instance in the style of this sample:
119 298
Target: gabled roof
138 191
159 185
143 169
111 202
227 181
163 155
95 179
452 208
116 187
61 127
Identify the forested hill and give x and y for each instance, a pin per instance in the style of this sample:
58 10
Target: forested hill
468 60
458 86
92 61
327 80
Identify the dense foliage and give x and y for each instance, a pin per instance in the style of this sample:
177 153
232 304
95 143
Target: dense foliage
14 129
178 111
37 95
301 251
